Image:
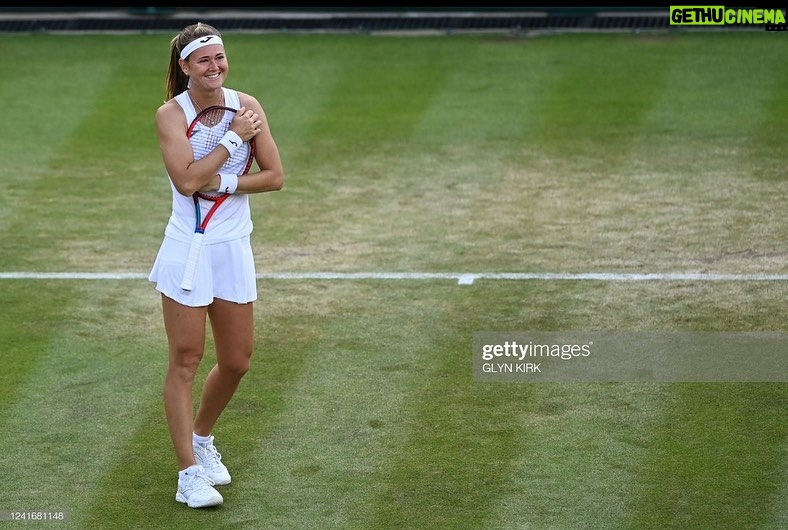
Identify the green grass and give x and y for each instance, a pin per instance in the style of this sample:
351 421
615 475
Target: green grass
564 153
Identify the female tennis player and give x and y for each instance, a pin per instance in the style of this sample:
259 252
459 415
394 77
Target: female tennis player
202 163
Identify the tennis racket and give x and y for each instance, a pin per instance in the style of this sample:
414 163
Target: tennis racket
214 123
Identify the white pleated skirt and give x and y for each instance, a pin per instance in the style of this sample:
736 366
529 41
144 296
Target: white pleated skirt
225 270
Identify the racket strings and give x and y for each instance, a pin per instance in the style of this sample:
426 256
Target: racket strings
209 196
207 137
213 117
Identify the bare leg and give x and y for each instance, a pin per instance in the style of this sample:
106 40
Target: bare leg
185 327
233 331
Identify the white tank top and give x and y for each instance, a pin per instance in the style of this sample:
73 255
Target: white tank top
233 218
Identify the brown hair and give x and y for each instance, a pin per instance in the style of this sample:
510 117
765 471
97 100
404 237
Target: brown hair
177 81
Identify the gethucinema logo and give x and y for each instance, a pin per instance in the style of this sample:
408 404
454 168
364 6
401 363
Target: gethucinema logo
770 19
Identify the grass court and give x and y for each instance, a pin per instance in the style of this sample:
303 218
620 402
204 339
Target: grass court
650 153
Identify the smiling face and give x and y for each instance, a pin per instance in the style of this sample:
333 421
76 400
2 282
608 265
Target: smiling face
206 67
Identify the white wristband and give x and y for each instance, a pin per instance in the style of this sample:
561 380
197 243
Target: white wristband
228 183
231 142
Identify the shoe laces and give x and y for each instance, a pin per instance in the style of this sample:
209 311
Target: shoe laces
200 481
212 455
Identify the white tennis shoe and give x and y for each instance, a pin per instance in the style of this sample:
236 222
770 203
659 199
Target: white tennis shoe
210 459
196 489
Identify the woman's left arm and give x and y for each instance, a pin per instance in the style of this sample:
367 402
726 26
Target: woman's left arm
271 175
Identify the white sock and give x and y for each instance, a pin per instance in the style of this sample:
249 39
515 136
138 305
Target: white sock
197 439
191 470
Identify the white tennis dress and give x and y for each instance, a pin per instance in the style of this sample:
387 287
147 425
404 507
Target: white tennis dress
226 268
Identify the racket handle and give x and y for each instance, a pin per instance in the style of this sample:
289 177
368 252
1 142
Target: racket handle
191 262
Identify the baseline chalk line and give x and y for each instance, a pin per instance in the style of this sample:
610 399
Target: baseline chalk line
462 278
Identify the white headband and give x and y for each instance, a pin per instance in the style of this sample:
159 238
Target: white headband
199 43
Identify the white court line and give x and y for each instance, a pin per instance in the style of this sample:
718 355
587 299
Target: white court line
462 278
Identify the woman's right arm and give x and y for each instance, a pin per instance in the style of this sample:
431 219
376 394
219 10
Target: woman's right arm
187 174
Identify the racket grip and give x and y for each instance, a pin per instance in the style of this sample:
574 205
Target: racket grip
191 262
